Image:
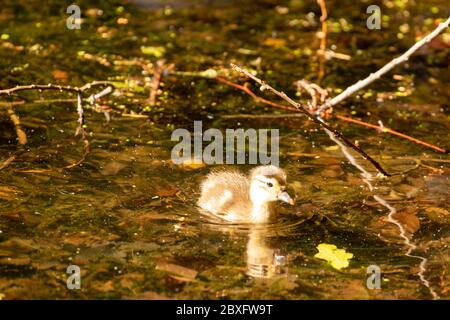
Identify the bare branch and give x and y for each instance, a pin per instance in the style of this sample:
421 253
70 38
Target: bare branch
79 91
55 87
298 114
299 107
374 76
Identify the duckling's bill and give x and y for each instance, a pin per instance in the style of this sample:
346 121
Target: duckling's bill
285 197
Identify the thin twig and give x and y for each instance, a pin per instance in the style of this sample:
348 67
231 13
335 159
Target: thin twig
157 73
81 124
290 115
395 133
337 134
253 95
39 87
11 103
86 151
323 38
21 135
55 87
314 91
7 162
94 97
262 116
374 76
80 111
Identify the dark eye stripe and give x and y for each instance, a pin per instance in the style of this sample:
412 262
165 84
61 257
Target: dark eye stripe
269 184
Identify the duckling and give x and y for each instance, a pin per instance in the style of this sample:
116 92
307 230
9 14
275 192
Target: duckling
236 197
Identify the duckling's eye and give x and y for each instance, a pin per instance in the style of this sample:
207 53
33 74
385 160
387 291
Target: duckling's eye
270 184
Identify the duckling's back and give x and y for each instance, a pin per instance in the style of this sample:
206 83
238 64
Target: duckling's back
226 194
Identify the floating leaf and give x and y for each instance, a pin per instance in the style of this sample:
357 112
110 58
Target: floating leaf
153 51
338 258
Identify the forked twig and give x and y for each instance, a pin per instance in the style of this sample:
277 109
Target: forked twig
81 124
319 121
374 76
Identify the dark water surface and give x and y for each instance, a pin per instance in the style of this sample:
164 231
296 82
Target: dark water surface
127 216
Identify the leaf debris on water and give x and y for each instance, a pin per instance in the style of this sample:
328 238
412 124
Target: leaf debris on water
338 258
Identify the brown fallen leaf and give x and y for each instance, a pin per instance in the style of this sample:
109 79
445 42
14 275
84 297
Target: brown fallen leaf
167 191
85 239
409 221
308 210
385 228
112 168
59 74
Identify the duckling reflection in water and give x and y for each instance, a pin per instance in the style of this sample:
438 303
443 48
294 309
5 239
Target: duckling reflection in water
262 260
236 197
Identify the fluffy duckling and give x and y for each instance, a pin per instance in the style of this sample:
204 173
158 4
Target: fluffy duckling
236 197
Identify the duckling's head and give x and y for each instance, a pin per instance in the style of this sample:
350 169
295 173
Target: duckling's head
268 184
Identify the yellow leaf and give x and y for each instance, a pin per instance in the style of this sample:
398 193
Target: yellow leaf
153 51
190 164
338 258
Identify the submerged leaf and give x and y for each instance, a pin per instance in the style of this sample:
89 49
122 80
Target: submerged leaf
338 258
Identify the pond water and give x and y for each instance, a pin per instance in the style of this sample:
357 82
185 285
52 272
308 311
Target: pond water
127 216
